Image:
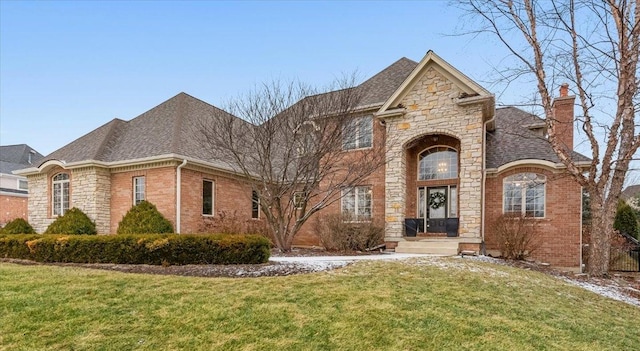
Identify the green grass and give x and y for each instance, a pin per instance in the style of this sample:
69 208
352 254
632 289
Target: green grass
367 306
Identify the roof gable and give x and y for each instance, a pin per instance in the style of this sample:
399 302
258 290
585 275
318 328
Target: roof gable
431 60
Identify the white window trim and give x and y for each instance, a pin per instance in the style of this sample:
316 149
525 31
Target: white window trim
523 205
53 189
144 189
22 180
213 197
357 134
355 208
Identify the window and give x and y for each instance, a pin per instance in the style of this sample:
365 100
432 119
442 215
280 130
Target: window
255 205
358 133
207 197
138 190
356 203
298 199
22 184
60 195
438 163
524 193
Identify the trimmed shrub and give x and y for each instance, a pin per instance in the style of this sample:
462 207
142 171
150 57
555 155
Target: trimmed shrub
516 235
17 226
144 218
73 222
626 220
155 249
341 233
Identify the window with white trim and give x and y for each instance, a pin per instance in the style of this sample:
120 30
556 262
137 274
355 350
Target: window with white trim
23 184
60 194
255 205
208 189
524 193
356 203
358 133
138 190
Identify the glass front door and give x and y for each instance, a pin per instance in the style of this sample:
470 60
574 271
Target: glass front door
436 210
438 207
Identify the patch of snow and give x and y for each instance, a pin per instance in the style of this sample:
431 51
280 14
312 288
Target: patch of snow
610 291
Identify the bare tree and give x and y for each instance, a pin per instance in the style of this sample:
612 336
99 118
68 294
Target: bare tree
593 44
286 140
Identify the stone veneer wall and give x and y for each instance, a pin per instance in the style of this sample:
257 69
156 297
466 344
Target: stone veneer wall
91 193
38 202
431 109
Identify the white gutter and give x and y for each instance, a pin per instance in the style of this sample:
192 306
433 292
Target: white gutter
179 193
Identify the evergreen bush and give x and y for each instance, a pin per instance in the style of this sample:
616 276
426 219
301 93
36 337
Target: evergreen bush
74 221
626 220
144 218
17 226
155 249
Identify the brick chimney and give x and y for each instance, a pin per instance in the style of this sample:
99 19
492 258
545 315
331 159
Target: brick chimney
563 112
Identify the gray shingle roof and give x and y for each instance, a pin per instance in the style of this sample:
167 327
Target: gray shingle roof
13 157
380 87
165 129
168 129
512 140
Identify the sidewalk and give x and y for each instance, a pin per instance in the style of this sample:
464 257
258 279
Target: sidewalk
313 259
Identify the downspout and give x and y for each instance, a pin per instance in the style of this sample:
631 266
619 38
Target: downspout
179 193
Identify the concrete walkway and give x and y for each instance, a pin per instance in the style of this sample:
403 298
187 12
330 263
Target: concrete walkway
313 259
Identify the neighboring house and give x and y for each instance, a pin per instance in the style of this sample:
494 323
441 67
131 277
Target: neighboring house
14 188
631 195
456 163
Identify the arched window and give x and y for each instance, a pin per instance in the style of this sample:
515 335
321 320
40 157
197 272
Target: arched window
438 163
60 194
524 194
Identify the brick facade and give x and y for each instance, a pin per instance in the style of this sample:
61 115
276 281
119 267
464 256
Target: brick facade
433 107
559 230
12 207
160 190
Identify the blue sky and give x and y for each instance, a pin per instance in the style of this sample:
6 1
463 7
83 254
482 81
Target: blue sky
66 68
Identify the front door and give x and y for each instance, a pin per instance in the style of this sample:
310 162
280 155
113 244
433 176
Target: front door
436 204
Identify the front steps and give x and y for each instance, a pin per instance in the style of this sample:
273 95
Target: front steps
432 247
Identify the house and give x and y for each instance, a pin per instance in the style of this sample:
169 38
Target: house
629 194
456 164
14 188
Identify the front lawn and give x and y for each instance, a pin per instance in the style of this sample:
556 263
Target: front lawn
431 304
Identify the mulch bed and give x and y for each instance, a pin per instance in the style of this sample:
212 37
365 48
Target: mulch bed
269 269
